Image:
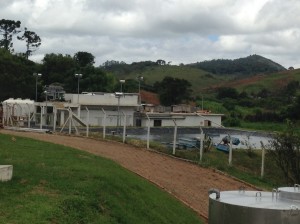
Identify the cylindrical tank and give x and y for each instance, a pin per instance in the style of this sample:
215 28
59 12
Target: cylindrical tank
254 207
18 107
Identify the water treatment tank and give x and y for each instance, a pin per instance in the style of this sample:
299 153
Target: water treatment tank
18 107
280 206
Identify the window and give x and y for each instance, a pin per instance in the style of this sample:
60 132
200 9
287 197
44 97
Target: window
138 122
157 123
207 123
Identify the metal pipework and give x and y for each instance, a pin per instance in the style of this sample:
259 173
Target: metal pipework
216 191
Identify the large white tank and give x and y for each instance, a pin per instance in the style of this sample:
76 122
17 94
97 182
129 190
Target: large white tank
18 107
282 206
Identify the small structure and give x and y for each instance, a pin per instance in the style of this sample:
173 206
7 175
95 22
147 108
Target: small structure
55 92
6 172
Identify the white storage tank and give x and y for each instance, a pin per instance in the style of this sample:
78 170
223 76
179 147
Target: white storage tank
17 107
281 206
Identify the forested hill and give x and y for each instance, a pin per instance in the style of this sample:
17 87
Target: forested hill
253 64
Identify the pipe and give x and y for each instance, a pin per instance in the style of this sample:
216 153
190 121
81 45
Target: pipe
216 191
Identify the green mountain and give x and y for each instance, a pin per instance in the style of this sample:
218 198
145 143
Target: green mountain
251 65
202 75
16 79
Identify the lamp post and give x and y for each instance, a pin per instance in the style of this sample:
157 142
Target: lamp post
46 112
78 76
118 95
140 78
36 79
122 81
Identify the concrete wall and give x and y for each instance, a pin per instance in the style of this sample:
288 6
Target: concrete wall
185 120
106 99
96 117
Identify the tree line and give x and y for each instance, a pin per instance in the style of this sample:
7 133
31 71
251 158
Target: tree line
270 106
17 79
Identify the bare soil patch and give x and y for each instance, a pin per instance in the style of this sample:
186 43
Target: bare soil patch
186 181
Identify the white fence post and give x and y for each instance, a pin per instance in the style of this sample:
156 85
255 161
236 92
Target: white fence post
104 124
148 132
230 151
175 136
262 162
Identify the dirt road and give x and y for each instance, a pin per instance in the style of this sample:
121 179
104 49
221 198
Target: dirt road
186 181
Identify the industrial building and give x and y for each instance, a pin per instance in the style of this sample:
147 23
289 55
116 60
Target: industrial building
103 109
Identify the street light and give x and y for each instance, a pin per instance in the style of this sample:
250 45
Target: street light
78 76
46 112
36 79
118 96
140 79
122 81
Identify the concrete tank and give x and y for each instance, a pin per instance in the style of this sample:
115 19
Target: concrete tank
282 206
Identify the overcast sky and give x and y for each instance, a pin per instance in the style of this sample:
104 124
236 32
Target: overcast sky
180 31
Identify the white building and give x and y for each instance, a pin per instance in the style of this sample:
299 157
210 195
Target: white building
181 119
114 105
108 109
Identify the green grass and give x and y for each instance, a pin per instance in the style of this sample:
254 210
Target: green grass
263 126
246 167
57 184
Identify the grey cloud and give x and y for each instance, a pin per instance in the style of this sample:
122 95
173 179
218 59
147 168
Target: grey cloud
175 30
279 15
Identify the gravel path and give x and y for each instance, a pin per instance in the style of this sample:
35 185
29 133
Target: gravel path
186 181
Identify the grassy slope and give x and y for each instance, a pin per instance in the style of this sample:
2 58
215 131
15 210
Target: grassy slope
204 82
270 81
57 184
199 79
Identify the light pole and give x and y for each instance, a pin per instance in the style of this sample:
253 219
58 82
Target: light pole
122 81
140 78
46 112
78 76
36 79
118 95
